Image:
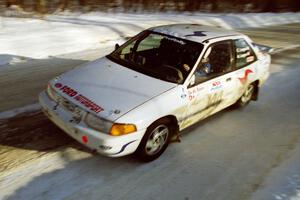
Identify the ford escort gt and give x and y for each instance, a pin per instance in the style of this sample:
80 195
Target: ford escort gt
156 84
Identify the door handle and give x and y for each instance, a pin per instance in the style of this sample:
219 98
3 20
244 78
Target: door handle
228 79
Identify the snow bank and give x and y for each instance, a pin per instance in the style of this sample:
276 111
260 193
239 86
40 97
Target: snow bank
16 111
61 34
10 59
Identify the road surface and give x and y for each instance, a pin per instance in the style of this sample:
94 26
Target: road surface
226 156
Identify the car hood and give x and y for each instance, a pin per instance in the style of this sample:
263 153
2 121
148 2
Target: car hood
109 86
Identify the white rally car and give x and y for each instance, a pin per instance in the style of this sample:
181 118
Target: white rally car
156 84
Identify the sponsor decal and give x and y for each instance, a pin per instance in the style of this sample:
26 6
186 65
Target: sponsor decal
123 147
58 85
250 59
79 97
175 40
192 93
244 55
239 50
216 85
244 79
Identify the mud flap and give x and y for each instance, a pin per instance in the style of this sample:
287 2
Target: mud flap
176 137
255 94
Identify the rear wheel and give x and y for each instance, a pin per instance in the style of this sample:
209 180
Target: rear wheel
247 96
155 141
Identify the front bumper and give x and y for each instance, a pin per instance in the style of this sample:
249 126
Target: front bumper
103 143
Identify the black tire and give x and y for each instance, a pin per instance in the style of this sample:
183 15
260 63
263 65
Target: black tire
247 96
158 135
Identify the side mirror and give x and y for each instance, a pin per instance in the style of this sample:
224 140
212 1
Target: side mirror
192 80
117 46
264 48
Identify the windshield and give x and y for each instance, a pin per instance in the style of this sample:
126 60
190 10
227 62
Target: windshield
157 55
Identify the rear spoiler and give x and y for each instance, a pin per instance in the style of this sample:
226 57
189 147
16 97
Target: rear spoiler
263 48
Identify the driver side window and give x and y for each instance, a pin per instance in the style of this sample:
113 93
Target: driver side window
216 61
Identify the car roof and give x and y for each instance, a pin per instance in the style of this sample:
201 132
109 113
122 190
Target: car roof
194 32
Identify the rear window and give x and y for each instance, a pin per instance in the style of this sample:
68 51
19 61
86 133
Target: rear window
244 53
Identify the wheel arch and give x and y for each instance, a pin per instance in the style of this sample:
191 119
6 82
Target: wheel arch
141 152
171 120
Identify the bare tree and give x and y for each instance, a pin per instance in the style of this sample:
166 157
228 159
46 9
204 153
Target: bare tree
63 4
294 5
83 2
270 6
8 3
40 6
215 5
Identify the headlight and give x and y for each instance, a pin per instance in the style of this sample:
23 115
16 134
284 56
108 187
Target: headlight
97 123
51 92
105 126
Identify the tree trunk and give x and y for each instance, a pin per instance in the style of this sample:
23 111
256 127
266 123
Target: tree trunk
63 5
215 6
82 2
294 5
40 6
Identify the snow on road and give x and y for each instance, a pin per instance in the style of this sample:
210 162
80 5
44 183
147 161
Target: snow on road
61 34
17 111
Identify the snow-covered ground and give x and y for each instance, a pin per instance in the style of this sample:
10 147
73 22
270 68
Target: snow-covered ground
16 111
23 38
283 183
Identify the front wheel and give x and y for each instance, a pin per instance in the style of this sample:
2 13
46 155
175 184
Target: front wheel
247 96
154 142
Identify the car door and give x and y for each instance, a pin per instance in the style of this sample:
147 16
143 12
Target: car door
245 67
212 84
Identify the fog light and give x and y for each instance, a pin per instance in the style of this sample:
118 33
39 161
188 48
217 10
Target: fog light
103 147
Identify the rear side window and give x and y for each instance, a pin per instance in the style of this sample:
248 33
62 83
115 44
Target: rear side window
244 53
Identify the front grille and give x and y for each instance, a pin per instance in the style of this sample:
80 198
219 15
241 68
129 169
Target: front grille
64 103
71 107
